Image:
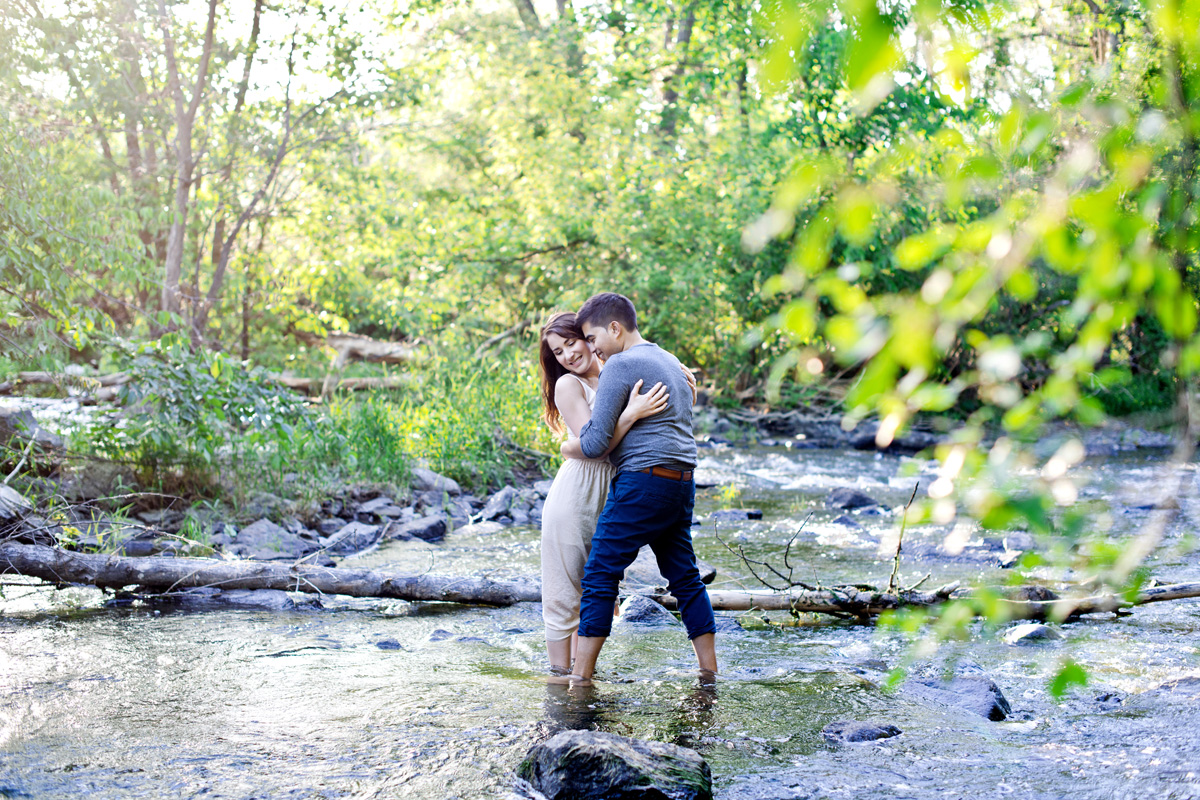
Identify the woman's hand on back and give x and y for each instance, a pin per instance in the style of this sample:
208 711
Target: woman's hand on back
648 404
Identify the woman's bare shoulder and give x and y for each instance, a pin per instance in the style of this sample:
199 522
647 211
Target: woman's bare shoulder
567 386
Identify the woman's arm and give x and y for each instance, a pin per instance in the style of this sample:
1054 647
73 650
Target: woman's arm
638 407
572 404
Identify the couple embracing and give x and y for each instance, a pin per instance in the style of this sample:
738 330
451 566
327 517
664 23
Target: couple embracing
626 481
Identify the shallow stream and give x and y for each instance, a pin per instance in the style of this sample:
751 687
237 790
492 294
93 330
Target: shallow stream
389 699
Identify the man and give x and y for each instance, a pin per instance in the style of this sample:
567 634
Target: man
651 498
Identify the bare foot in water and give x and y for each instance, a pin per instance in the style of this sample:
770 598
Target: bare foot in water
572 680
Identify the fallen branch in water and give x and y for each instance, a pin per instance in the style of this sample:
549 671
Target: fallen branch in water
166 574
864 602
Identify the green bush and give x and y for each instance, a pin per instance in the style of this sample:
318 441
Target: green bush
190 415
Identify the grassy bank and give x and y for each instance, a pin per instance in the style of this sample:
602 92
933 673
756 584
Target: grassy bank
204 426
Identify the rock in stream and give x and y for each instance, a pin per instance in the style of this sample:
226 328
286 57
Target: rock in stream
587 765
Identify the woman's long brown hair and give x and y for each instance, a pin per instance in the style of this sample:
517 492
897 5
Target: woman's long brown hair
563 323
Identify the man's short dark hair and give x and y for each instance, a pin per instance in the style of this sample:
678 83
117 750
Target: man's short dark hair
601 309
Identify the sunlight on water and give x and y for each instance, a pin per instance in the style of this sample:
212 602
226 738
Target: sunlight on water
315 704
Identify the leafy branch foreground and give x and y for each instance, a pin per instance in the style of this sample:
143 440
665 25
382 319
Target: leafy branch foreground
161 575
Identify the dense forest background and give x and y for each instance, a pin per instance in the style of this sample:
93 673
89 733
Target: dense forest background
985 210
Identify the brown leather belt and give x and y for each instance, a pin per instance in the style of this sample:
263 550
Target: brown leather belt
670 474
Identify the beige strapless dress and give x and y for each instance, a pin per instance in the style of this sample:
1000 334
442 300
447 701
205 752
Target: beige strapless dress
569 517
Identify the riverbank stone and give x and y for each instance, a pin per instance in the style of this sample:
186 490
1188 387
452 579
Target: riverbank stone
640 611
426 480
430 529
589 765
352 538
265 541
849 731
13 504
498 504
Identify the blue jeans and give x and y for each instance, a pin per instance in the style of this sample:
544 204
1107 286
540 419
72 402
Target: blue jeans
644 509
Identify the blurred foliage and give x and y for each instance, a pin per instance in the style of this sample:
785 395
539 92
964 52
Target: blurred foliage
1041 254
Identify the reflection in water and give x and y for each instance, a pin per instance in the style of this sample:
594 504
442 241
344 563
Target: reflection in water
696 714
109 703
572 707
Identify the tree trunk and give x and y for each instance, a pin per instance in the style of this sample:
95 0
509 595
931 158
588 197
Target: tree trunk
528 14
159 574
218 239
683 40
185 166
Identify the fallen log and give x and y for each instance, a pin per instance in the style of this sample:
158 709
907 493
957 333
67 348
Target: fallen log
165 574
865 603
314 386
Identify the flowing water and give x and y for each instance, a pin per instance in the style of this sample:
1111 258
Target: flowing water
390 699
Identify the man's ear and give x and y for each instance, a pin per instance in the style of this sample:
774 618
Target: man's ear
615 328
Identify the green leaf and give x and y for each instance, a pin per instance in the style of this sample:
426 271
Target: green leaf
1069 674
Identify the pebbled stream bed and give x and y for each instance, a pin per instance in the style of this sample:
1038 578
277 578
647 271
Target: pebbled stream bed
390 699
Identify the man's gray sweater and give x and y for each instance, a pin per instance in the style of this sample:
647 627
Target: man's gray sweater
663 440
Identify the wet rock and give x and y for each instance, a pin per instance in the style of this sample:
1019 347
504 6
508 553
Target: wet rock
1141 438
96 479
852 731
263 504
736 513
1030 633
431 529
968 690
330 525
543 487
138 548
480 529
440 635
848 499
1031 593
388 644
849 522
378 510
587 765
13 504
252 599
263 599
164 519
459 511
643 572
352 538
520 516
264 540
498 504
425 480
864 438
20 425
728 625
644 612
1107 701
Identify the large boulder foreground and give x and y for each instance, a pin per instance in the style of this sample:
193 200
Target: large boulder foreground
587 765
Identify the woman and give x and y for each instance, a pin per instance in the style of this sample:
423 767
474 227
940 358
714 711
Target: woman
570 373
